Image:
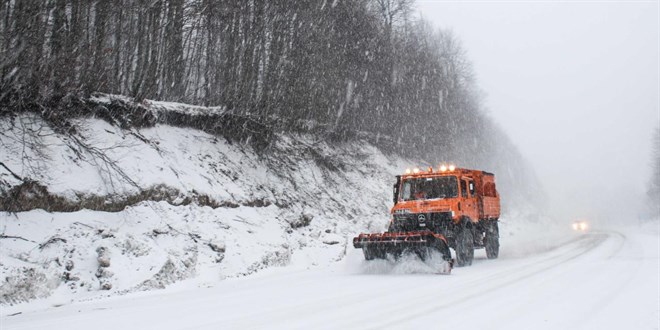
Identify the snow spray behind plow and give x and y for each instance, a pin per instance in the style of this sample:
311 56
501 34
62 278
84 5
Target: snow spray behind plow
407 263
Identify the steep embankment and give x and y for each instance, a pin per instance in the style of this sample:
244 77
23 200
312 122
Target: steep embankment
151 206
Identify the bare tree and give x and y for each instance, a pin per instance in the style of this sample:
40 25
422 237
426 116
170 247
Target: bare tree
335 67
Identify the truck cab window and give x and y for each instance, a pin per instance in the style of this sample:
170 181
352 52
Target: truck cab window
429 188
406 191
464 188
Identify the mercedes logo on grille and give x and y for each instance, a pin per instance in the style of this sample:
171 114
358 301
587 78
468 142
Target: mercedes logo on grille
421 218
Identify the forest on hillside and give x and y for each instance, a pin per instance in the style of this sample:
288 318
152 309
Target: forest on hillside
338 69
348 65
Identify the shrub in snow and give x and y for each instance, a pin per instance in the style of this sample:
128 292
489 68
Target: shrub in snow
133 247
303 221
24 284
172 271
280 257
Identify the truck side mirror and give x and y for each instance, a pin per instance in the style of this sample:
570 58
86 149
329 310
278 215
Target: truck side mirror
396 193
396 189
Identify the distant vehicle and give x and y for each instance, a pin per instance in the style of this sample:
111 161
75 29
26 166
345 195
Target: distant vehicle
580 225
438 209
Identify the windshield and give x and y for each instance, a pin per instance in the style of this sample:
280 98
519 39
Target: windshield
429 188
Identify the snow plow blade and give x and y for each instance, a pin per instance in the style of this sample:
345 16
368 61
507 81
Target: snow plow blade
422 243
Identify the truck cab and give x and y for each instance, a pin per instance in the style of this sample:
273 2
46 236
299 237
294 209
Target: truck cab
449 201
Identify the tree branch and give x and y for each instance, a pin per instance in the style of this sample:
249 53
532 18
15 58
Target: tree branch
12 172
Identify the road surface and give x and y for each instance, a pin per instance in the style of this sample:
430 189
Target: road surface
597 280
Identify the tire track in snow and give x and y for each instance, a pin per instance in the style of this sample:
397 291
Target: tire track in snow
490 283
317 313
624 277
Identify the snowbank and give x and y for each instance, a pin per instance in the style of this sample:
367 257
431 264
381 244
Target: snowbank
298 206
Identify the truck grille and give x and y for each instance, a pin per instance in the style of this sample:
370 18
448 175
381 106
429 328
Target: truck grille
437 222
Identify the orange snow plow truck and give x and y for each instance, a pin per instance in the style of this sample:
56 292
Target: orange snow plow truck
435 210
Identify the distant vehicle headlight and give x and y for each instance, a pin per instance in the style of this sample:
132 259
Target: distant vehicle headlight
580 225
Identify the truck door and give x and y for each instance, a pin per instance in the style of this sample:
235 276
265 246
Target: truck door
470 207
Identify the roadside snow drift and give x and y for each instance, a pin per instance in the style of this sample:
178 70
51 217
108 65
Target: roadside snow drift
190 205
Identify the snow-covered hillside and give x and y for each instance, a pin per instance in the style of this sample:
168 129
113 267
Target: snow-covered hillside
190 205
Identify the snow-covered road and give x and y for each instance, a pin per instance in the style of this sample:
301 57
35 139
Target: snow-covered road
598 280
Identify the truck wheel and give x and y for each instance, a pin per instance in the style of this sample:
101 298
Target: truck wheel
492 240
464 245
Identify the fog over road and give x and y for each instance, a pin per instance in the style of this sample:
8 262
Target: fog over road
575 86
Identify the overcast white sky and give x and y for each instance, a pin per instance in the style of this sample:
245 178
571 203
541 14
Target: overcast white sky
575 86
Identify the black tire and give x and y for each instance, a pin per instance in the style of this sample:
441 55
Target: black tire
492 240
464 245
